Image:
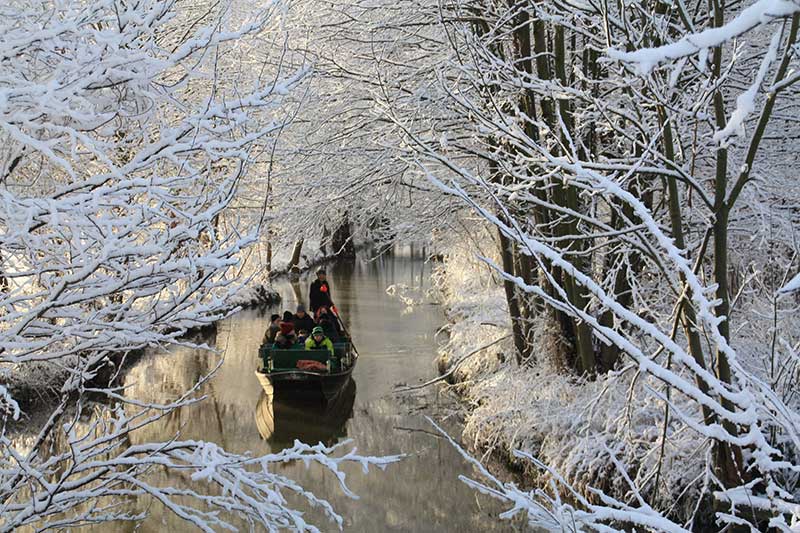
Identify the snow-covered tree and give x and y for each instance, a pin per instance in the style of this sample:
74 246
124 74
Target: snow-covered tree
126 130
633 159
336 167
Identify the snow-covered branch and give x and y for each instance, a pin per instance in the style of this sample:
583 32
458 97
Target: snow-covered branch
621 242
753 16
127 129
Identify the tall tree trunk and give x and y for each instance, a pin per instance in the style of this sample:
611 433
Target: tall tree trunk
294 262
342 239
3 279
583 333
507 253
689 318
728 458
619 260
544 71
326 237
529 305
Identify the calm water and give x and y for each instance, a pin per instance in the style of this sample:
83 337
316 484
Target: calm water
396 346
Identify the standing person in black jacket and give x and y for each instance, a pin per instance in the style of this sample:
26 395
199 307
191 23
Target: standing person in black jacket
320 294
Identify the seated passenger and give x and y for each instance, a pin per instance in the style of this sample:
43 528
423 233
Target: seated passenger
286 337
302 320
329 323
330 330
302 335
272 330
288 317
318 341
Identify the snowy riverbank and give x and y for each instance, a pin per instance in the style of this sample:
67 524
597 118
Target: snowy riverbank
570 424
39 381
34 382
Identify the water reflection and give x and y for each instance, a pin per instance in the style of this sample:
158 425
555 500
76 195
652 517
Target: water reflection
283 417
225 416
422 493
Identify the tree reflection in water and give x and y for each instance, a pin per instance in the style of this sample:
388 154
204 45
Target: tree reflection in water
422 493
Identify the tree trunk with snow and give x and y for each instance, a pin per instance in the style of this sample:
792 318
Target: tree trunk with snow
342 238
294 261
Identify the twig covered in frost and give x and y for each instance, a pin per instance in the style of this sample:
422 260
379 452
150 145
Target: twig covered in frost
454 367
126 130
746 102
547 510
608 190
231 488
792 286
761 12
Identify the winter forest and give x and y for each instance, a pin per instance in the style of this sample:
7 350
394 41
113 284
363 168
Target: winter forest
605 192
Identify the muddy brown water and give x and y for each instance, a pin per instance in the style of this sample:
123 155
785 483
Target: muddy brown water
397 345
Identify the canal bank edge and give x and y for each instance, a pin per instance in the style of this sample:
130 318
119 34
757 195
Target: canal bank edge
29 392
46 385
559 418
477 321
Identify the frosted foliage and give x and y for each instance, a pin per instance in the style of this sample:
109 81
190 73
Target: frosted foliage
575 427
636 163
760 12
125 131
792 286
336 161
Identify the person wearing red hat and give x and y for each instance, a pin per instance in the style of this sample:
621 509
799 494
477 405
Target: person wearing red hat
286 337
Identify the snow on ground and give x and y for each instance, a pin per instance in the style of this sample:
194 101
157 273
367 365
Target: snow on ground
254 294
570 425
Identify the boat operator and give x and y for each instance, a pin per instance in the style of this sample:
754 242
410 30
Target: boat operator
320 293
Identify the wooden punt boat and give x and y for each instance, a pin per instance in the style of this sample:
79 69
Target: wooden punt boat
280 367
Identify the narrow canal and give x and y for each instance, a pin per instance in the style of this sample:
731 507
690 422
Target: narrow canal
396 345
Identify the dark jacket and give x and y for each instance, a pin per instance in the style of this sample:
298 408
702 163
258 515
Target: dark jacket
285 340
330 329
319 295
306 323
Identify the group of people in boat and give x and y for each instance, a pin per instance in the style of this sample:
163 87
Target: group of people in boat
316 331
